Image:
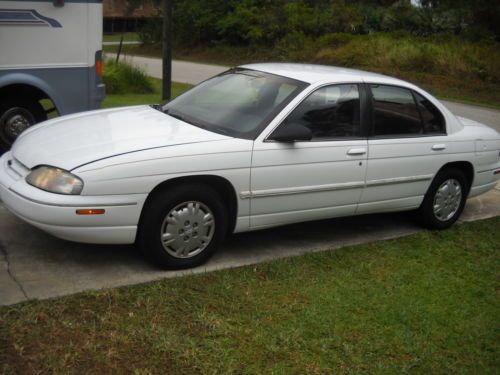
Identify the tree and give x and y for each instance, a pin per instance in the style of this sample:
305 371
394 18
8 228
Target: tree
480 14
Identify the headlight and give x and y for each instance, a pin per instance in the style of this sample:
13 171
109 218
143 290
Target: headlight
55 180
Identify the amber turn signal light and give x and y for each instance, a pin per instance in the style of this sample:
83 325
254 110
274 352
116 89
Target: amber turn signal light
90 211
99 68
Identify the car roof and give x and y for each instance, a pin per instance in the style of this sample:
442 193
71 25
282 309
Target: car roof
312 73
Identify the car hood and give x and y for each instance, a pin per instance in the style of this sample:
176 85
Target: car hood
71 141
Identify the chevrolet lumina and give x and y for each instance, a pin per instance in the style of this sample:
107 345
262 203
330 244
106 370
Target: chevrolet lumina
258 146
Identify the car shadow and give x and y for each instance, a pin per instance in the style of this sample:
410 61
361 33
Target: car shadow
48 267
34 246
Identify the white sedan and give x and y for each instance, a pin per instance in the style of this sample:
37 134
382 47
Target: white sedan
257 146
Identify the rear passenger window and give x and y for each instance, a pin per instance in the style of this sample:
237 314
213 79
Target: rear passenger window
395 111
432 118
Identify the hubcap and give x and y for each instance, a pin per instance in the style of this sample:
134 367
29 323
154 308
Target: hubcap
447 200
14 122
187 229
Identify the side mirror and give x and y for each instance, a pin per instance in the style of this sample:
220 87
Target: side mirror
58 3
291 132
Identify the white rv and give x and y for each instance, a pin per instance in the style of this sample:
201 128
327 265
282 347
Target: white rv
49 49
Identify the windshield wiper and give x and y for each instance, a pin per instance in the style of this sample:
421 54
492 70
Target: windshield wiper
158 107
177 116
219 129
213 128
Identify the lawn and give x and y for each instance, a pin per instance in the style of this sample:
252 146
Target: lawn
425 304
118 100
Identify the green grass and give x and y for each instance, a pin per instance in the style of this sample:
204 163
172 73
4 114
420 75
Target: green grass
118 100
127 37
449 67
423 304
122 78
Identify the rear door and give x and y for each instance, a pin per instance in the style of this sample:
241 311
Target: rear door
407 145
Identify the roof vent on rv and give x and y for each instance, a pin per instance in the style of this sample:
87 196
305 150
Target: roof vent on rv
58 3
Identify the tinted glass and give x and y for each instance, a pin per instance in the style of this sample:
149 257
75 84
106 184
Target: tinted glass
330 112
238 103
394 111
432 118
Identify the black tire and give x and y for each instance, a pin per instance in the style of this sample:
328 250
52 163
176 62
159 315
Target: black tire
426 213
154 221
29 110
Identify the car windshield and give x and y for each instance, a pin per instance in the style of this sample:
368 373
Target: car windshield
238 103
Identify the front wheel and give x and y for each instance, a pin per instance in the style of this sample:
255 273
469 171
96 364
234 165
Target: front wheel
182 226
445 200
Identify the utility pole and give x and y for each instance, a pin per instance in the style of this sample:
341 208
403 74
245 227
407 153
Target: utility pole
167 50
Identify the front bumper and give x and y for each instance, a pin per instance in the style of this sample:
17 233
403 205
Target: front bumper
56 213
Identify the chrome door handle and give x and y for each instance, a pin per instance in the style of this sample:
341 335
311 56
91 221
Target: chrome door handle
356 151
439 147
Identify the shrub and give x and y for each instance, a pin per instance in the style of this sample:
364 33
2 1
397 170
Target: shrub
265 22
403 52
252 22
121 78
334 40
295 46
152 31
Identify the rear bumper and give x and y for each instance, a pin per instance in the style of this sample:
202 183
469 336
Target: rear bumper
478 190
485 180
56 214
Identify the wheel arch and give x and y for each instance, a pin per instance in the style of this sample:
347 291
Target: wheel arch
27 85
220 184
465 166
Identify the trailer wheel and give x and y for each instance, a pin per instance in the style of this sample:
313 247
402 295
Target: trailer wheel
16 115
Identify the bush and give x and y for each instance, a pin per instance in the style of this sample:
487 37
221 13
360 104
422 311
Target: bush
199 23
121 78
251 22
390 53
334 40
151 32
295 46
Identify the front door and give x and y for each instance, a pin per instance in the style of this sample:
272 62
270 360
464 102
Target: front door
316 179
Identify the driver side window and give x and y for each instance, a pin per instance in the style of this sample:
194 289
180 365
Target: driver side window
330 112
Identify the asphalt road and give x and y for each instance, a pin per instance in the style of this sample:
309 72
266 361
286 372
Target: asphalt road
182 71
193 73
35 265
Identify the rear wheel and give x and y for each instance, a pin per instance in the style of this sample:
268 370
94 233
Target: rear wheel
182 227
17 115
445 200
